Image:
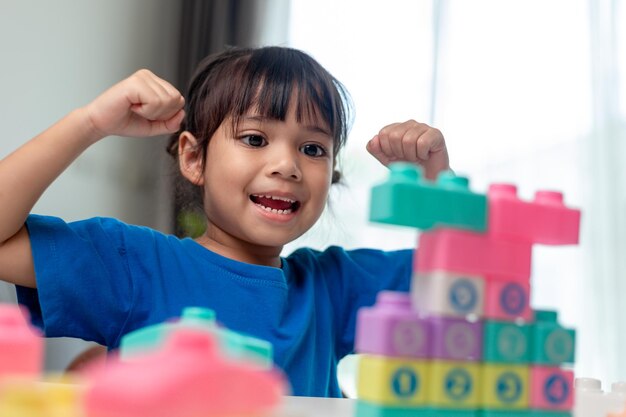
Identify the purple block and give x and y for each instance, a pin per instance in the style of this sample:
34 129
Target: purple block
392 328
456 339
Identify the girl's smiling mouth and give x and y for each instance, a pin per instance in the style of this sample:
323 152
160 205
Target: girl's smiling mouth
275 204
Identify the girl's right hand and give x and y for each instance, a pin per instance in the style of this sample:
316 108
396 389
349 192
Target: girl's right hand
141 105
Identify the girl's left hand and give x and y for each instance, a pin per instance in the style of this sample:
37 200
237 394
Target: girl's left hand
411 142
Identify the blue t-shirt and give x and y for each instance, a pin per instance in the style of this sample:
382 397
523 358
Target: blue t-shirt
99 279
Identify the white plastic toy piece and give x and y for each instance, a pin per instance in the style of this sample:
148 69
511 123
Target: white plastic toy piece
448 294
591 401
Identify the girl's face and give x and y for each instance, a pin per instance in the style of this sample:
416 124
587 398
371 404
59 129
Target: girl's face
265 184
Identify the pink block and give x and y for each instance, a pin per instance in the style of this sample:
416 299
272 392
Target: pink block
508 300
473 253
551 388
21 345
186 378
392 328
545 220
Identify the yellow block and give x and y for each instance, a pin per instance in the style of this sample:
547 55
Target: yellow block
23 397
392 381
454 385
504 386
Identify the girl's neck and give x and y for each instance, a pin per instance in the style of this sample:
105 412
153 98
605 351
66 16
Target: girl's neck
241 251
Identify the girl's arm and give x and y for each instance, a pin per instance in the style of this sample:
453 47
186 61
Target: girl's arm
411 142
141 105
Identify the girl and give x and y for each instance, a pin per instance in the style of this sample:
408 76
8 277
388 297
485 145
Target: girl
258 139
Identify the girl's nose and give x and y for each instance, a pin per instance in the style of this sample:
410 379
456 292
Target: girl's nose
285 164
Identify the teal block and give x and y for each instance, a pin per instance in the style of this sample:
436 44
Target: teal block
551 344
366 409
409 199
500 413
523 413
235 345
454 413
506 342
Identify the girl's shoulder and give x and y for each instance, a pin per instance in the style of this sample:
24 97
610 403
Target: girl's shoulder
97 230
339 257
92 224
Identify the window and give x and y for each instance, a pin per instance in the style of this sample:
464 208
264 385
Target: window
526 92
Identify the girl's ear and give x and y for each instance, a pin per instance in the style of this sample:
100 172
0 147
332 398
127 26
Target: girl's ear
190 158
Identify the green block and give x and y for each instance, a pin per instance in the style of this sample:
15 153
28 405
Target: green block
235 345
367 409
506 342
500 413
551 344
454 413
523 413
408 199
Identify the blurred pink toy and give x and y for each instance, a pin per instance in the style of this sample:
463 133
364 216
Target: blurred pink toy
545 220
186 378
472 253
21 346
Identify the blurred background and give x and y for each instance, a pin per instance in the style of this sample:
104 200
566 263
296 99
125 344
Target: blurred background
526 92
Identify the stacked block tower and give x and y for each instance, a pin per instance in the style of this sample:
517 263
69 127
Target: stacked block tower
465 341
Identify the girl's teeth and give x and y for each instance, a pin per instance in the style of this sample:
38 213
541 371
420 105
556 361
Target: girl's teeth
278 198
271 210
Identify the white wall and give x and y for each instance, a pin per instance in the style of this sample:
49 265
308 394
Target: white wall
58 55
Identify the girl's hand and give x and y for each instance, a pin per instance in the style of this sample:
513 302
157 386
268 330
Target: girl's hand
411 142
141 105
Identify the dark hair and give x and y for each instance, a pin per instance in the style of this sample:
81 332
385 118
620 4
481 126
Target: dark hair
229 83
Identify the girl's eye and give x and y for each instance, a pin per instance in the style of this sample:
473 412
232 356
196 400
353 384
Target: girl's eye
313 150
255 141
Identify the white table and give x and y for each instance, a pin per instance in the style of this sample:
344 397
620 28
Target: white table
314 407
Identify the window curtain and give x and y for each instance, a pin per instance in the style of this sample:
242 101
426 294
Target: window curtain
575 143
208 26
603 309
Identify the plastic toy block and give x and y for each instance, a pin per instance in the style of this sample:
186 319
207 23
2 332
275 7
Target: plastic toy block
506 413
551 388
473 254
590 400
186 378
456 339
545 220
504 387
523 413
551 344
366 409
392 328
507 300
21 345
448 294
392 381
454 385
30 398
235 344
408 199
506 342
